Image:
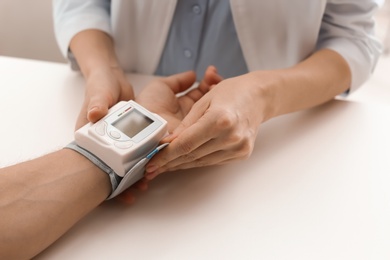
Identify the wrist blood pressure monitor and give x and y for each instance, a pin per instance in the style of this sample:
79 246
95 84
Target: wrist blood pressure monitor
122 142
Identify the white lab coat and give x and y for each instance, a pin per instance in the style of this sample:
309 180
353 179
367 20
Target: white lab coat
273 34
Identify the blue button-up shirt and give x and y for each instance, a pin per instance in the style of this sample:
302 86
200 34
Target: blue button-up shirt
202 34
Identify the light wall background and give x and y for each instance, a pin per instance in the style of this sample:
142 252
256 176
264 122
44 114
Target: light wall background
26 30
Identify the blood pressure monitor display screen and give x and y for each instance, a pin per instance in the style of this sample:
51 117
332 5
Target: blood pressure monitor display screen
132 123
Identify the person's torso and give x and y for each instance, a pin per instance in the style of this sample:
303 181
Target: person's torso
271 34
202 33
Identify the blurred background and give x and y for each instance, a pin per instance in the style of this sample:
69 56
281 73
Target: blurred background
26 31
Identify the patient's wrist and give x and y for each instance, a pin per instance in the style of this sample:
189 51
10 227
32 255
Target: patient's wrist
96 177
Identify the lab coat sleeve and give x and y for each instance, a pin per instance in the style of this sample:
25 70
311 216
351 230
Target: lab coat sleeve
73 16
348 28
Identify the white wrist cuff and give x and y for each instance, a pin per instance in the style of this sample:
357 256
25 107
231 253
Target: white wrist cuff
118 184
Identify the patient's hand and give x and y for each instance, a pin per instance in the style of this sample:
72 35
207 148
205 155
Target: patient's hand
162 96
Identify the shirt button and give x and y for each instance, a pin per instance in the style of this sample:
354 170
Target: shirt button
196 9
187 53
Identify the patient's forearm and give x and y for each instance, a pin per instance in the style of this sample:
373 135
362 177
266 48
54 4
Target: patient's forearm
41 199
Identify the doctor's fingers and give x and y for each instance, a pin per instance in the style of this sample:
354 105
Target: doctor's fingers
229 154
90 113
100 98
227 147
98 106
197 118
188 140
216 158
234 144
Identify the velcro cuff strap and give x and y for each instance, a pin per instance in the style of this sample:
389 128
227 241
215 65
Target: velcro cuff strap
118 184
114 178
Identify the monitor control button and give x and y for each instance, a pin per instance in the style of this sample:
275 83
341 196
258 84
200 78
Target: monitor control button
124 145
101 128
115 134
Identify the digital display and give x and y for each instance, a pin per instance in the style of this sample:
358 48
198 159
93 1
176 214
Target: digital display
132 123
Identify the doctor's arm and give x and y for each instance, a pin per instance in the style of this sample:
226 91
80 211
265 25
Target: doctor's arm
345 56
84 36
223 125
106 83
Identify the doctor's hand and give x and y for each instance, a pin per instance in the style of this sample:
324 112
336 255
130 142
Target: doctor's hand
221 127
105 86
164 97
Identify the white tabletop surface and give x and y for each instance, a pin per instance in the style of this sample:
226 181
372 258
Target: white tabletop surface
317 185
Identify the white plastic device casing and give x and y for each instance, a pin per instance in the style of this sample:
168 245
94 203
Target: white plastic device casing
109 139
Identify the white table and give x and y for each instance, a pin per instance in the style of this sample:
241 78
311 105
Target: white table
317 185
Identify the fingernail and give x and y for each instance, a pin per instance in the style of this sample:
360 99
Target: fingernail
92 109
